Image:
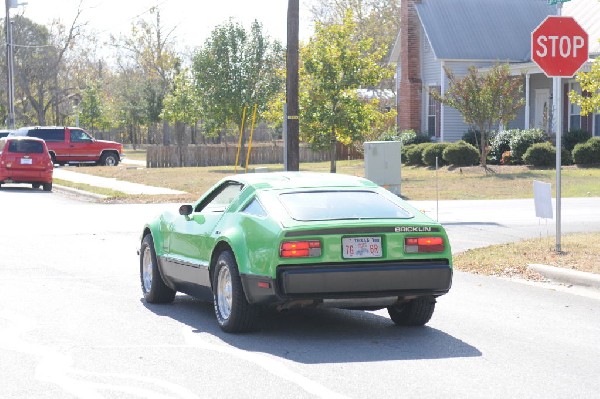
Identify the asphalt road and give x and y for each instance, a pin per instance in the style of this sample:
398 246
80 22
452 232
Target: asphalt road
73 324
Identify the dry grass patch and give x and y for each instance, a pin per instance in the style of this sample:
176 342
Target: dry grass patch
418 183
579 252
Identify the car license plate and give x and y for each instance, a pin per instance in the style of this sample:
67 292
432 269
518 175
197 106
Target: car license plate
361 247
26 161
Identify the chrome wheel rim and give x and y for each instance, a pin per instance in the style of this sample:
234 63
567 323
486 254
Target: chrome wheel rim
224 299
147 269
110 161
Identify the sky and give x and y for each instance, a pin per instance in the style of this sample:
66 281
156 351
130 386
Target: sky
193 20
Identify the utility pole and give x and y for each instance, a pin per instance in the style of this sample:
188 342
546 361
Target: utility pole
10 88
292 123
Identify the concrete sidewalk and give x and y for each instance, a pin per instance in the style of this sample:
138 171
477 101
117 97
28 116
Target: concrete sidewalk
111 183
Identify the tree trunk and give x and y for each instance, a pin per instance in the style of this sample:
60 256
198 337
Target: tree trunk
166 133
483 144
333 152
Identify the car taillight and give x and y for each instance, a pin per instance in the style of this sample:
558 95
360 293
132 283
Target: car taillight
300 249
415 245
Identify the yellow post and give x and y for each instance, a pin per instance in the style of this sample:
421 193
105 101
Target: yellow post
250 139
237 155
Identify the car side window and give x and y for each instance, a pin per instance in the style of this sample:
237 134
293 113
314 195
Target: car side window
220 198
79 136
255 208
48 134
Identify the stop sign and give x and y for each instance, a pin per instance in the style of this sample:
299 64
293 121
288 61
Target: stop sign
559 46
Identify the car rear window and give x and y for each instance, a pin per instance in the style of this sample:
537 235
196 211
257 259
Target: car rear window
26 146
337 205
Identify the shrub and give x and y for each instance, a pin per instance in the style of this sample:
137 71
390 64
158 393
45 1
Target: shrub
432 151
412 154
461 153
588 152
540 154
409 137
565 157
499 144
573 137
472 137
521 140
389 135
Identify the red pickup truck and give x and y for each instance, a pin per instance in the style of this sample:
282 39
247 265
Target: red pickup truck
74 145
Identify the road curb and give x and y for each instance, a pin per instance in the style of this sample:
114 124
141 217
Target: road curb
77 192
567 276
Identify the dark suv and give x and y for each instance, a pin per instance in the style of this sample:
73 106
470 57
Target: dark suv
74 145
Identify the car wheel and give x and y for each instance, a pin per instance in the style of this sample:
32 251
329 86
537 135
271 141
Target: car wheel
53 158
35 185
234 313
109 159
153 286
414 313
46 186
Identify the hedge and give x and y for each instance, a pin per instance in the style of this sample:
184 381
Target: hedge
461 153
588 152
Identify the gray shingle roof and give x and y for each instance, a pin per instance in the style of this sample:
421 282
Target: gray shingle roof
482 29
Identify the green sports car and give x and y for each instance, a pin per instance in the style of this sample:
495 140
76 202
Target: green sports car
297 239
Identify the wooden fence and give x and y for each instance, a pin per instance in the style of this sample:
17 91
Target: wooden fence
220 154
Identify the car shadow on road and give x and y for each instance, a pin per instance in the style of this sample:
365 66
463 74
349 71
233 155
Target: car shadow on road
21 189
323 335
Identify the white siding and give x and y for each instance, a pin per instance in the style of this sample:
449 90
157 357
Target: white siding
430 76
454 126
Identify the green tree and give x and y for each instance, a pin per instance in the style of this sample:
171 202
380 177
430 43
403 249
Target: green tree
589 101
335 64
484 99
376 19
236 69
149 54
182 105
92 113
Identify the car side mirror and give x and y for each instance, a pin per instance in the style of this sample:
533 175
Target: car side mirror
185 210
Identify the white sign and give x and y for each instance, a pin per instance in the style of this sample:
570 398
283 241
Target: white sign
542 195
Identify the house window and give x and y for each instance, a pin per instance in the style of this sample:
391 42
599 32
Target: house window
433 113
574 109
597 124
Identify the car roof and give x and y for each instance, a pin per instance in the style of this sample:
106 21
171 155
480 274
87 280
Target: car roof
287 180
27 138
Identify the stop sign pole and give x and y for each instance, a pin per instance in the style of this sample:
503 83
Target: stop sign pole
559 46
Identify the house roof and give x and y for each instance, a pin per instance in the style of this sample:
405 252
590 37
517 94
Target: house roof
482 29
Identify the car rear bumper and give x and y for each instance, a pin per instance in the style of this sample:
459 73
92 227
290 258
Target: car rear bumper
25 176
357 280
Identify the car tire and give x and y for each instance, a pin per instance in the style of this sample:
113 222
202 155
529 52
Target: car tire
109 159
53 158
154 288
47 186
234 313
36 186
414 313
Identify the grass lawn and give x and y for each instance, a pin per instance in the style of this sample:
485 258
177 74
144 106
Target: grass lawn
580 251
418 183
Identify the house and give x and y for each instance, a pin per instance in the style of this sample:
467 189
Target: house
457 34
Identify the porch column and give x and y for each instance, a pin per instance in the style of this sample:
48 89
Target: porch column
527 75
442 92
